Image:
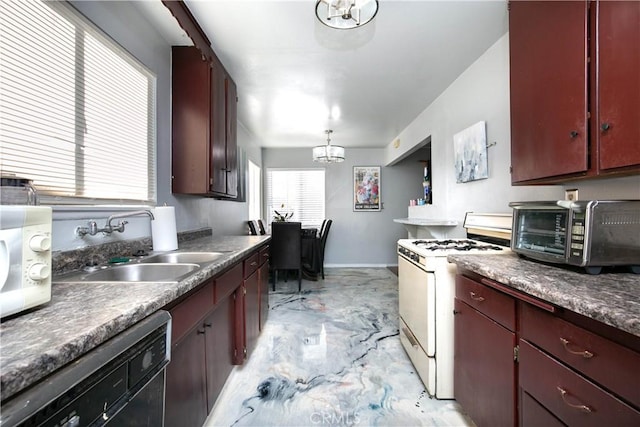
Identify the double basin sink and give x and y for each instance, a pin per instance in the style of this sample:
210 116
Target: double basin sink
164 267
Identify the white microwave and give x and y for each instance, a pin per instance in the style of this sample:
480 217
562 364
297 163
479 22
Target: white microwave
25 257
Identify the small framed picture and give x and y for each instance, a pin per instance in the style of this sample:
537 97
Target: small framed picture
366 189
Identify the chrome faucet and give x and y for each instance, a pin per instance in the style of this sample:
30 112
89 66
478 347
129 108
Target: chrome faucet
93 229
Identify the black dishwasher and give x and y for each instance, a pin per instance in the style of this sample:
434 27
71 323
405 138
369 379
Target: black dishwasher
120 383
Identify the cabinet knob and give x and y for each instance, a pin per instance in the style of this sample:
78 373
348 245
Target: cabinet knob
605 127
200 331
207 325
573 134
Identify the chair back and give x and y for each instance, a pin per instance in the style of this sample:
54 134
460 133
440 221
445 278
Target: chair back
261 227
286 245
252 228
324 232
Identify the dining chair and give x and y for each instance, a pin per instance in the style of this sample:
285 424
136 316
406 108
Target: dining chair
324 232
261 228
286 249
252 228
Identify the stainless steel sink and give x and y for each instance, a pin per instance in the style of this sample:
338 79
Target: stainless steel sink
188 257
136 273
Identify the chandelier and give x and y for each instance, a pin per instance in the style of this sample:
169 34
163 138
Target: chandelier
346 14
328 153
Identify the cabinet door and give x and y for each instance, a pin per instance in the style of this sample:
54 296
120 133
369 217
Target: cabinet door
548 70
485 379
252 311
219 327
231 124
617 128
185 399
218 132
263 274
190 121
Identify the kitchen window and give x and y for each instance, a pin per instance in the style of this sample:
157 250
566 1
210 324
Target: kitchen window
300 192
77 112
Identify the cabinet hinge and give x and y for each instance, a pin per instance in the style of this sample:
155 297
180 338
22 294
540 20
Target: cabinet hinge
516 352
244 290
510 169
235 352
244 352
588 114
210 181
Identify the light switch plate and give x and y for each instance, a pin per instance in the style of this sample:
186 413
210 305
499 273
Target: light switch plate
571 195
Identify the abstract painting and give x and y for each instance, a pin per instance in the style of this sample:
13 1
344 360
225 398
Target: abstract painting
470 151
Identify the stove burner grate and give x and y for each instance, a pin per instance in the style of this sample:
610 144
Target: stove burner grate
458 245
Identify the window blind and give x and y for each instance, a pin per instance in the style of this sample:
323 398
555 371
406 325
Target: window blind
301 192
77 112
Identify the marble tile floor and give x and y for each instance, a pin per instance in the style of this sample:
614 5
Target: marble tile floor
331 356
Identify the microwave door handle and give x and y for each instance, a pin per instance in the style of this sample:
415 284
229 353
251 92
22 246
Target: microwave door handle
5 262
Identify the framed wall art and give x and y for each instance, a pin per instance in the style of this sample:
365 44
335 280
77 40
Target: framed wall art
366 189
470 152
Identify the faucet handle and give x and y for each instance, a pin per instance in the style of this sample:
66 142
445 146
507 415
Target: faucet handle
120 226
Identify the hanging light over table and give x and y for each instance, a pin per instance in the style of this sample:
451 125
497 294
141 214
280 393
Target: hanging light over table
328 153
346 14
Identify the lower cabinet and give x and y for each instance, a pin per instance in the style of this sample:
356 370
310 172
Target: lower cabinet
213 329
263 277
485 375
521 362
186 383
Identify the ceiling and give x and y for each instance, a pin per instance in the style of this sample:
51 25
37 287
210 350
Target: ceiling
292 71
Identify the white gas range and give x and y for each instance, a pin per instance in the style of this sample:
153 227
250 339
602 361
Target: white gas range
427 290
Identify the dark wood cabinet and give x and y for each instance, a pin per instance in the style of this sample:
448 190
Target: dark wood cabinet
575 89
485 371
213 329
263 272
563 370
204 123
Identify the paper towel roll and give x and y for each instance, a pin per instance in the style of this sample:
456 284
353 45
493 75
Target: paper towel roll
163 229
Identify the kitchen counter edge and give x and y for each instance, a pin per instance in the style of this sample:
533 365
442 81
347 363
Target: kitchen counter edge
610 298
80 317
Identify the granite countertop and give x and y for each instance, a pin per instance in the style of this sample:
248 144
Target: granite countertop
610 298
81 316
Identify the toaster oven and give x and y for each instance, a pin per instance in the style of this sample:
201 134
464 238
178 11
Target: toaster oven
590 234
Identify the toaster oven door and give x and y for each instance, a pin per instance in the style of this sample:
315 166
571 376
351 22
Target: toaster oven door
541 233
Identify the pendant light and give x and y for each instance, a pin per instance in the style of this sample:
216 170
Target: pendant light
328 153
346 14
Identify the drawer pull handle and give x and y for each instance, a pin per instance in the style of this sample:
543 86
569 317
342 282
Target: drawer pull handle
584 353
409 336
564 393
475 296
254 263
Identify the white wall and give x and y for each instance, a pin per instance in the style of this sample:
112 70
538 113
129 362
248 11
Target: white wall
482 93
355 238
124 23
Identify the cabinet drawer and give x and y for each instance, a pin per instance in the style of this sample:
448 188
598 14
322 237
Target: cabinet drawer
251 264
607 363
569 396
264 254
189 312
228 282
496 305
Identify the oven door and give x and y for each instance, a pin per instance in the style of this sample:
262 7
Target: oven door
417 303
541 232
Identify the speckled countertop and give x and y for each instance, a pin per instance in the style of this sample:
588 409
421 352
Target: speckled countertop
611 298
82 316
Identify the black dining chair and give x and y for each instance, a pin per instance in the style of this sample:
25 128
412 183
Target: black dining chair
252 228
286 249
324 232
261 227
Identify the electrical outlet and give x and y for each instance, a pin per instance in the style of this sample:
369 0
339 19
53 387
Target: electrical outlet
571 194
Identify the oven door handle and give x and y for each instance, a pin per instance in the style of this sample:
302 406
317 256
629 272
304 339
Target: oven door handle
410 337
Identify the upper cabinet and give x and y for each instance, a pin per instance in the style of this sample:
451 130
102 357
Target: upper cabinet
204 126
575 89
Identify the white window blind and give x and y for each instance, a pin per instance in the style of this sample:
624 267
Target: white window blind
301 192
77 112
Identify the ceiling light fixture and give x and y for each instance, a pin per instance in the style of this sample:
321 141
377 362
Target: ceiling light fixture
346 14
328 153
